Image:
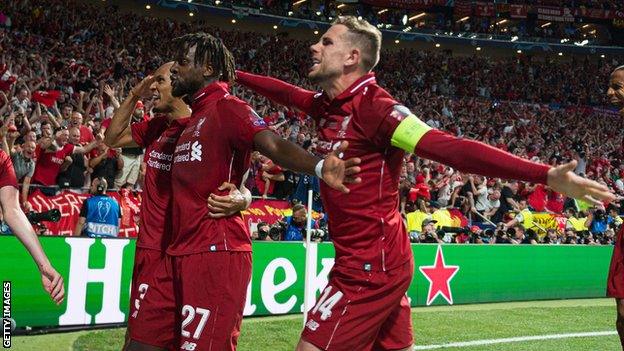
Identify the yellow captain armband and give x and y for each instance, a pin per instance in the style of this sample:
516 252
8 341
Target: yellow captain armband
409 132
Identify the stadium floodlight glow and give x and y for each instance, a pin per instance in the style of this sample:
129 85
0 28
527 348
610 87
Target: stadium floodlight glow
191 14
316 32
404 20
501 22
275 27
233 21
519 51
298 2
217 2
396 41
382 11
318 13
514 38
546 24
603 56
148 7
437 45
417 16
561 54
290 13
331 18
478 48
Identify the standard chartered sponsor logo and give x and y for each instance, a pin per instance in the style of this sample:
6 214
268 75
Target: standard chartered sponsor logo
154 160
194 155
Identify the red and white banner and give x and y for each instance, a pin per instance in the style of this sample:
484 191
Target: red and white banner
518 11
484 9
69 204
557 14
268 211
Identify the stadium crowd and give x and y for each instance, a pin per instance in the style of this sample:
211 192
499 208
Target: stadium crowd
64 70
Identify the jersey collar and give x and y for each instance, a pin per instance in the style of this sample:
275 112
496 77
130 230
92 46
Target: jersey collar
218 86
358 86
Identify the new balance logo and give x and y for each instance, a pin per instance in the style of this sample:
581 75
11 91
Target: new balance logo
188 346
312 325
196 151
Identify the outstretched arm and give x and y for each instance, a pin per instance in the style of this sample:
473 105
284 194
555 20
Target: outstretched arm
278 91
332 170
16 219
469 156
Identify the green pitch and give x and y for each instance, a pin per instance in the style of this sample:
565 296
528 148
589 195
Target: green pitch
432 326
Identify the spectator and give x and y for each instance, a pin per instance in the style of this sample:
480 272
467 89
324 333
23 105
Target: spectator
100 215
295 225
51 156
74 176
106 163
428 233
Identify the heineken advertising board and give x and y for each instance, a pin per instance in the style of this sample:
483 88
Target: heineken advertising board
98 275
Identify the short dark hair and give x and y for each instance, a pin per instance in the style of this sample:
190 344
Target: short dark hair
298 207
210 50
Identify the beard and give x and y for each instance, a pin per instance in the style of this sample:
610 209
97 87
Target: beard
322 75
186 88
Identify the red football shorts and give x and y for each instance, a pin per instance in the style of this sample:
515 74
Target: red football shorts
361 310
153 312
615 282
210 289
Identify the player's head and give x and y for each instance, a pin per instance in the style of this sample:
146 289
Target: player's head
161 89
349 45
200 60
616 84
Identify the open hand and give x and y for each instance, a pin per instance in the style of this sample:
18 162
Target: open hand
563 180
142 89
338 172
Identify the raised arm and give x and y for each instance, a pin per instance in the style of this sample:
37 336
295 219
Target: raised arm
278 91
119 133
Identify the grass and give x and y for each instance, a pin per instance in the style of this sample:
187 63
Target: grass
432 325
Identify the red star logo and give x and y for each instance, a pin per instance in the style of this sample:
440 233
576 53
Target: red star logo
439 276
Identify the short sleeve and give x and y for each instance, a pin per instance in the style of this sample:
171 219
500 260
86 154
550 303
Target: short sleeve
146 132
7 177
242 122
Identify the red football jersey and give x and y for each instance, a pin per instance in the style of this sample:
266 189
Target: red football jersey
214 148
158 136
366 225
49 164
7 172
